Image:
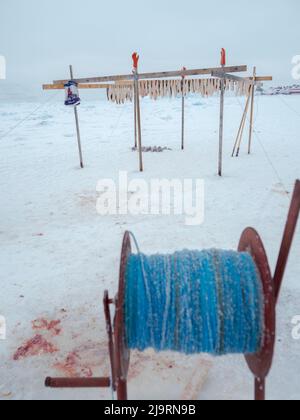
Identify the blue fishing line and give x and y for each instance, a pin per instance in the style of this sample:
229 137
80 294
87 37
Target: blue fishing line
194 302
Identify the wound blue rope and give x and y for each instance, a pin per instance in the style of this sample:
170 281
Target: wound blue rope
194 302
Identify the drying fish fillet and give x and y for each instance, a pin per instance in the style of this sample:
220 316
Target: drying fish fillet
122 93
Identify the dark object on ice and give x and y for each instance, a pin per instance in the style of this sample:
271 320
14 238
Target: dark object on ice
72 94
154 149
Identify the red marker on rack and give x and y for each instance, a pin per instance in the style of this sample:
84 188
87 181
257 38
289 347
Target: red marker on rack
223 57
135 58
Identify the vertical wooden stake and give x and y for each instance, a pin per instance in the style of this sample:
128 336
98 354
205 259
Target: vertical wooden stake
138 113
252 111
135 121
242 125
221 127
241 134
77 126
182 120
183 112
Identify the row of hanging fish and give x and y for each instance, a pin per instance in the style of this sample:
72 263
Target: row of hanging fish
121 93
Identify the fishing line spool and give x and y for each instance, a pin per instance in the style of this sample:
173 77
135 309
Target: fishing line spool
259 364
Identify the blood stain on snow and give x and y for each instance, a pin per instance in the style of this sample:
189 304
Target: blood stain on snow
73 367
44 325
36 346
83 360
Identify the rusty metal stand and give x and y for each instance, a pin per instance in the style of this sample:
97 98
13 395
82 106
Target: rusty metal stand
260 389
287 240
260 364
92 382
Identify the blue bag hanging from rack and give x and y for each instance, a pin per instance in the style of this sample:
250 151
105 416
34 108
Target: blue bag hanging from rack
72 94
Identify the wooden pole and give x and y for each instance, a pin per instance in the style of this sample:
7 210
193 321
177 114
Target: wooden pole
221 127
135 121
159 75
77 125
182 117
243 125
241 133
129 82
80 86
183 112
252 112
242 122
138 116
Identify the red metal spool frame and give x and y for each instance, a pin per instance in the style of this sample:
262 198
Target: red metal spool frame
259 364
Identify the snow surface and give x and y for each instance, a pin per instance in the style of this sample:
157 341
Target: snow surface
58 255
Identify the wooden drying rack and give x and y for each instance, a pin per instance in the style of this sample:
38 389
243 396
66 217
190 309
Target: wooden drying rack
223 72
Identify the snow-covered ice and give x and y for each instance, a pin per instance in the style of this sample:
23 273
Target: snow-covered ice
58 255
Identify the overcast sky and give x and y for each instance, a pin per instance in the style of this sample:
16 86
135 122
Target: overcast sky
39 38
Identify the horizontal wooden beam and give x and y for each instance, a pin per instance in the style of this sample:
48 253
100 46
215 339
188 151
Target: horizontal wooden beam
237 78
262 78
227 76
159 75
61 86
